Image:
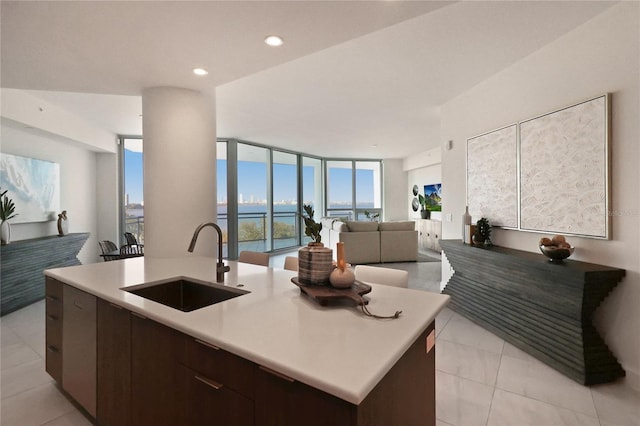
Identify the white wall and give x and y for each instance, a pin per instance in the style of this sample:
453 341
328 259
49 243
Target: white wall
423 176
22 107
395 180
597 57
107 187
77 184
424 168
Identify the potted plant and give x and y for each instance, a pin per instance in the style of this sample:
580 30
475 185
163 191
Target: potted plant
425 213
314 260
7 211
311 227
483 232
373 217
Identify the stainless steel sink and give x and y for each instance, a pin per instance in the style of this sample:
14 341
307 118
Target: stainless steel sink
185 294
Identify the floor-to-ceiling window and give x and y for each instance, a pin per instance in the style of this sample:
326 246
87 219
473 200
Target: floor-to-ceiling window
354 189
368 190
285 199
254 205
339 188
261 192
221 190
132 158
311 190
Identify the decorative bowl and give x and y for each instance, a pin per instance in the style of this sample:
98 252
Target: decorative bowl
556 254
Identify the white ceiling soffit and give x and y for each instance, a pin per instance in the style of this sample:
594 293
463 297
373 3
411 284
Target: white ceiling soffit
375 86
121 47
378 96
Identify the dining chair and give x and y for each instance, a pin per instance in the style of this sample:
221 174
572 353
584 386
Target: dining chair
384 276
254 257
131 251
106 247
131 239
291 263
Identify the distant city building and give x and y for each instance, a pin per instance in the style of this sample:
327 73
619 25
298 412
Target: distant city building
126 199
240 198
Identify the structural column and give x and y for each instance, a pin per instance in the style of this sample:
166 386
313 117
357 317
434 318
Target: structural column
179 128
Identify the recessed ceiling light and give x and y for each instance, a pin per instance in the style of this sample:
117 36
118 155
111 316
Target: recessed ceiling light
200 71
273 40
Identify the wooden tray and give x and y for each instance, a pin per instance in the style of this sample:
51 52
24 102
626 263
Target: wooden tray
324 294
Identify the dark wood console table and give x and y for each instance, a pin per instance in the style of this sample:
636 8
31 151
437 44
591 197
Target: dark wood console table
23 263
544 309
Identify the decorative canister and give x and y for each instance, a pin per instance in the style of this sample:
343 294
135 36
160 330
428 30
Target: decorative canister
314 264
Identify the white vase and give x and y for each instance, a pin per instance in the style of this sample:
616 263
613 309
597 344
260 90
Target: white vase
5 231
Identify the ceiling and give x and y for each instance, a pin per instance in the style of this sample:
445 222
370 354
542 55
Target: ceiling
353 79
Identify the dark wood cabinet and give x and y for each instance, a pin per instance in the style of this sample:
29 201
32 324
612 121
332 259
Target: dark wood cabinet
53 339
405 396
210 402
157 383
283 401
79 347
114 365
220 386
150 374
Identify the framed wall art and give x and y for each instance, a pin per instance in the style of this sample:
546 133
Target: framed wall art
34 186
564 172
492 176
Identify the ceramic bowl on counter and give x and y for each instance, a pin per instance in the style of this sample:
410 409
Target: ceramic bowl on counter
556 254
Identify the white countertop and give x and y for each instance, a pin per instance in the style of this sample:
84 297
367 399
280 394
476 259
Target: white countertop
335 349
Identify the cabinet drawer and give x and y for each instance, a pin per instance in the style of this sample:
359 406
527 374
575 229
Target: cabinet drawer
53 308
54 362
54 331
211 403
221 366
53 289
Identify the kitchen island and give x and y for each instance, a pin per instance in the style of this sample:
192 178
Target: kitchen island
285 355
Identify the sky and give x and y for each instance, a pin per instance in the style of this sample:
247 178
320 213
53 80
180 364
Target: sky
133 175
252 181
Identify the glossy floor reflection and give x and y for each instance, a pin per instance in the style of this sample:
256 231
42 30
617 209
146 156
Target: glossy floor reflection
480 379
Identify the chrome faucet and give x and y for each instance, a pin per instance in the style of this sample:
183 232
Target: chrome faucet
221 268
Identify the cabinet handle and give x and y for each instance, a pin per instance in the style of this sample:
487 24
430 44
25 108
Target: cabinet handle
275 373
52 349
52 317
52 298
113 305
77 305
209 345
209 382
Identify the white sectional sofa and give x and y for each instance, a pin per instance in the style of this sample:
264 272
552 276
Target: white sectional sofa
372 242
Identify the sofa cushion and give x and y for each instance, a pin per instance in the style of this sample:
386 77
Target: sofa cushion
362 226
406 225
340 226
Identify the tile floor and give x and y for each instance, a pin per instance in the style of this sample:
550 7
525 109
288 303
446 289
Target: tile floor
480 379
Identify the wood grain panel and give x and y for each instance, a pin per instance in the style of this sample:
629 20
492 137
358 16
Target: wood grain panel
544 309
22 264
